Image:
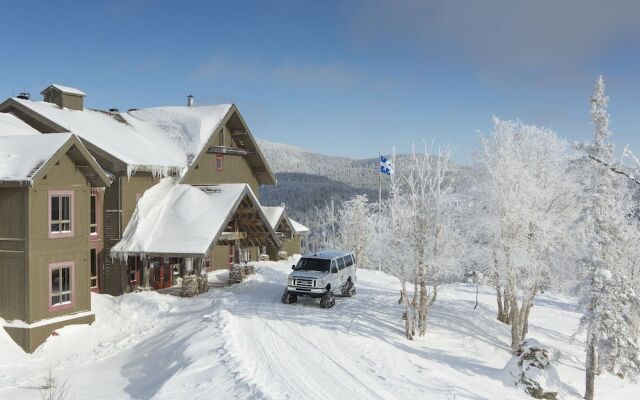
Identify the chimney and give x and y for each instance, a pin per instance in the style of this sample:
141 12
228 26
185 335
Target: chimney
189 101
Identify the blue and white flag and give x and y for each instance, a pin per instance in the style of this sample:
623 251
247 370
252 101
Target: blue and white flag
386 166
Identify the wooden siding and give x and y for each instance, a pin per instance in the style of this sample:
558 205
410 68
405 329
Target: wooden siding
235 167
136 184
118 207
13 246
44 251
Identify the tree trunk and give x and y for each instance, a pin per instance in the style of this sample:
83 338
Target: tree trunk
422 307
525 325
501 316
590 367
408 312
434 296
516 327
507 307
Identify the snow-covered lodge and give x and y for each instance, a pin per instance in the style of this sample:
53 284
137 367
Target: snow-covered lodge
109 201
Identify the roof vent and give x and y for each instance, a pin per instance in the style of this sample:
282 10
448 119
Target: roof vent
114 110
24 96
189 101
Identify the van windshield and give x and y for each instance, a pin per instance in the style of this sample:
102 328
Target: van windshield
313 264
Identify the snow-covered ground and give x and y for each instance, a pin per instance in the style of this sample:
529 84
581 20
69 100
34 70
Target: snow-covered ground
241 342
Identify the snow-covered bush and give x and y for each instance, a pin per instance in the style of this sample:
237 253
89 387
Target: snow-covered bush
531 368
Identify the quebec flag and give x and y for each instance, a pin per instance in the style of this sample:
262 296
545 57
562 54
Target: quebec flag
386 166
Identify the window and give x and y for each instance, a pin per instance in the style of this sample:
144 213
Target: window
221 139
349 260
60 214
313 264
341 263
219 162
60 285
334 267
93 277
93 218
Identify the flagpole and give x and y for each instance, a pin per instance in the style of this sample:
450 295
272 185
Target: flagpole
379 201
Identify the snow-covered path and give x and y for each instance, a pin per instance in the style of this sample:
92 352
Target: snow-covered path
241 342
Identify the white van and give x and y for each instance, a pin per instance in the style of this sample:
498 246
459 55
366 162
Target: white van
322 274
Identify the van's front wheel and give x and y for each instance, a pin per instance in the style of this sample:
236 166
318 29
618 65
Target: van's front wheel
327 300
288 297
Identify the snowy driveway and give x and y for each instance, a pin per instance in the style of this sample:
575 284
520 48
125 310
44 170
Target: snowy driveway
241 342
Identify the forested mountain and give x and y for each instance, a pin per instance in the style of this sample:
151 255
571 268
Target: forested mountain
306 179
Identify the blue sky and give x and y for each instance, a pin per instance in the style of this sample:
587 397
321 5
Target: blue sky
348 78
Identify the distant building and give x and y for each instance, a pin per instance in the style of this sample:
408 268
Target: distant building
70 181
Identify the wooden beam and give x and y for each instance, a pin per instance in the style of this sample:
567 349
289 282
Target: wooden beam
233 235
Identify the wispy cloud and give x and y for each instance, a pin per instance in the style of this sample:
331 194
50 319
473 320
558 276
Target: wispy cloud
503 36
332 74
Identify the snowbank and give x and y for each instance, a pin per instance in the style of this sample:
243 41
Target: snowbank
241 342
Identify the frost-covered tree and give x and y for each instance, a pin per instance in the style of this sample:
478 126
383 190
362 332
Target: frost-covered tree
611 306
356 229
531 196
611 323
429 209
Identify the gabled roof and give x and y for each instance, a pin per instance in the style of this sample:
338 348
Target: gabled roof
64 89
163 140
191 128
276 215
178 219
140 149
298 227
25 159
11 125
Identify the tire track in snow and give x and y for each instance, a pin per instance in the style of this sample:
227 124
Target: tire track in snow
292 359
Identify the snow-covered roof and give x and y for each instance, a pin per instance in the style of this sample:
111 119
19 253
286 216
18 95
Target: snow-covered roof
173 218
298 227
22 156
66 89
273 215
188 127
141 148
163 140
12 125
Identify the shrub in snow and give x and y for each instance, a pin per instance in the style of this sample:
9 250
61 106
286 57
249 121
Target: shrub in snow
190 286
54 390
531 369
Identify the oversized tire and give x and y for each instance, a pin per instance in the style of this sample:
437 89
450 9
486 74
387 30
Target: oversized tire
327 300
349 289
288 297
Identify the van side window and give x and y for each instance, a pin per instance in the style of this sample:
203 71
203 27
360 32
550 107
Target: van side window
349 260
341 263
334 267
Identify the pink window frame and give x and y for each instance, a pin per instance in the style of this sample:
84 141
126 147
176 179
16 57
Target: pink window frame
97 258
71 304
220 158
95 235
71 194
